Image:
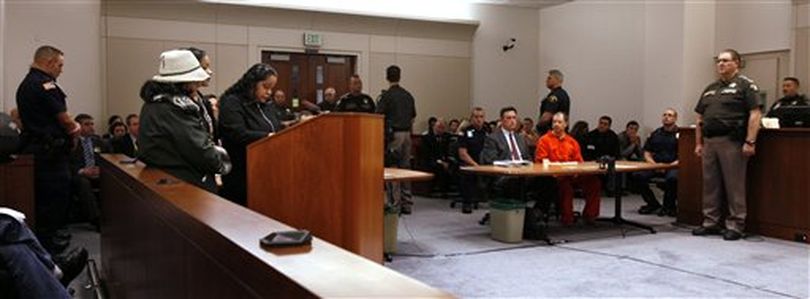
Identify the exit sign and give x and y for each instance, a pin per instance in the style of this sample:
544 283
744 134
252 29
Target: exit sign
313 40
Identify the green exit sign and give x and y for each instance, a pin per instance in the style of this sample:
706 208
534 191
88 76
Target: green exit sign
313 40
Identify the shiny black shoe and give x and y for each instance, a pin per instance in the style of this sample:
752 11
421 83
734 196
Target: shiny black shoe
667 212
405 210
72 264
648 209
706 231
731 235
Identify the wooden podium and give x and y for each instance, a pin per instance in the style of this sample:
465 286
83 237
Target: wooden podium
324 175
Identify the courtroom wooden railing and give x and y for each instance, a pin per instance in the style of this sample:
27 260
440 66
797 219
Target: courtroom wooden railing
164 238
17 186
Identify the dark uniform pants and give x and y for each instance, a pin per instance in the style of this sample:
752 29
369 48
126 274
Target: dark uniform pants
641 183
724 172
51 193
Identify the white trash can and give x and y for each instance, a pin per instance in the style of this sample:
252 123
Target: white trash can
506 220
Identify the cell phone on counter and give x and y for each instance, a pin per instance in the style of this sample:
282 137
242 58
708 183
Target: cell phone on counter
287 238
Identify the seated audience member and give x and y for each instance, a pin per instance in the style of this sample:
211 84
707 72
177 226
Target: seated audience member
790 88
174 138
558 146
355 100
529 133
282 108
84 169
110 122
431 123
453 127
329 100
630 143
436 155
244 117
601 141
118 130
128 144
33 272
661 147
471 143
506 143
579 131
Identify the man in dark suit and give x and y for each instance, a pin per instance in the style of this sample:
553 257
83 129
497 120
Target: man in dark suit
506 143
84 169
128 144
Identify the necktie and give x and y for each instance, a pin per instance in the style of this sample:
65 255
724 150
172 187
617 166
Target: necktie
515 154
89 158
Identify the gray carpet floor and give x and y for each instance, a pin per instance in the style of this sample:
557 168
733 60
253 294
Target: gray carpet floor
451 251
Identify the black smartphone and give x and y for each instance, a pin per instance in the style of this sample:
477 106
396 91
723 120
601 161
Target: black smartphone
287 238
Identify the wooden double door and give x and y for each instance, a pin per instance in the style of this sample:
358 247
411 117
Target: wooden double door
305 76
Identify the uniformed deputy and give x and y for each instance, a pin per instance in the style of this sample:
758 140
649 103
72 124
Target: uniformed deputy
355 100
790 88
329 100
172 133
661 147
48 133
397 104
282 108
728 116
556 101
470 145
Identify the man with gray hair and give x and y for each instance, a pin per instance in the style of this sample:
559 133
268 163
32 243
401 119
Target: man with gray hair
557 100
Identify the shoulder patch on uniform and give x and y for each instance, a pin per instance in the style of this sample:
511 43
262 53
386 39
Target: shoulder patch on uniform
746 79
552 98
49 85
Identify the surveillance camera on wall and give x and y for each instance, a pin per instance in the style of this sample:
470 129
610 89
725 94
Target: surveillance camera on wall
509 44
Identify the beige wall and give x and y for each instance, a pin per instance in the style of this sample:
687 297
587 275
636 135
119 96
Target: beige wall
73 27
435 57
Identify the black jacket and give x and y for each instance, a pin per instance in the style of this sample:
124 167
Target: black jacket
598 144
241 122
172 136
124 145
399 108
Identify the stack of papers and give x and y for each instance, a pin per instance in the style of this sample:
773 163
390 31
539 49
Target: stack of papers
512 163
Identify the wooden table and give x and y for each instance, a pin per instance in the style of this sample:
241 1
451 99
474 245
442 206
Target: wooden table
584 168
405 175
17 187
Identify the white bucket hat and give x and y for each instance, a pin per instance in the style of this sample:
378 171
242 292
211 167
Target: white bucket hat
180 66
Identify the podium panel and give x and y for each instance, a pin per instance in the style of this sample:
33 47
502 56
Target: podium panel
324 175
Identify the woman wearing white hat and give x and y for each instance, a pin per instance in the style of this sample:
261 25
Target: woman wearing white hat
172 135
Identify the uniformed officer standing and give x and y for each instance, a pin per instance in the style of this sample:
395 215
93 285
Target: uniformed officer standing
399 109
48 133
355 100
729 112
556 101
470 145
790 88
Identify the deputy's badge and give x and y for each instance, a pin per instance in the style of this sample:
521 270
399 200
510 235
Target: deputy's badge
552 98
470 133
49 85
754 87
733 84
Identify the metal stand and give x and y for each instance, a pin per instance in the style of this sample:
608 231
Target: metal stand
617 192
